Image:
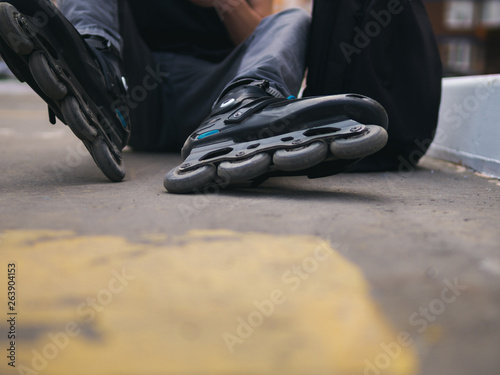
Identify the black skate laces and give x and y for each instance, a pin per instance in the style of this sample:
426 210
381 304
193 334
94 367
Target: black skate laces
245 97
108 59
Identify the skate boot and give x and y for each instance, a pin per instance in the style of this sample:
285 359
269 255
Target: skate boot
251 136
79 79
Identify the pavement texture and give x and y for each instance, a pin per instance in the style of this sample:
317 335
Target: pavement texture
386 273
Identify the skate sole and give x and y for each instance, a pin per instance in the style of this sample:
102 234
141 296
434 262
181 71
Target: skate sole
294 153
37 61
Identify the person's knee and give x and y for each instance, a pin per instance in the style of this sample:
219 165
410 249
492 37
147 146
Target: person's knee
295 15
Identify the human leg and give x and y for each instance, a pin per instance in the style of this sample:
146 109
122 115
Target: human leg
94 17
254 133
276 52
145 102
191 86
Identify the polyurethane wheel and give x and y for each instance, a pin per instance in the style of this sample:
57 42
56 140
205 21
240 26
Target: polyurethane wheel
76 120
45 77
113 168
244 170
370 141
179 182
297 159
11 31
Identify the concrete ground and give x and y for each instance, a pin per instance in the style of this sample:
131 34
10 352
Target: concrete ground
410 283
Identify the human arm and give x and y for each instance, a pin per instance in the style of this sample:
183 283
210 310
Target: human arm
240 17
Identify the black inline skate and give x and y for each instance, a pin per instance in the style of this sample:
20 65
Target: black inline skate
80 79
251 136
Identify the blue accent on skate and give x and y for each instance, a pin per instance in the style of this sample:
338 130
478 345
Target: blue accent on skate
208 134
120 117
291 97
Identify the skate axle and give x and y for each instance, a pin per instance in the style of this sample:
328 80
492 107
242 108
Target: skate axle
231 151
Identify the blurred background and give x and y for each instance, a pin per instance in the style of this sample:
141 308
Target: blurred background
467 32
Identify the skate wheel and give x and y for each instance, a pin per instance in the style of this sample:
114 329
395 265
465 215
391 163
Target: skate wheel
360 146
244 170
113 168
179 182
45 77
76 119
11 31
297 159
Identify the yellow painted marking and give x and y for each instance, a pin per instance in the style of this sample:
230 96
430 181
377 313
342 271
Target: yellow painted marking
208 302
433 334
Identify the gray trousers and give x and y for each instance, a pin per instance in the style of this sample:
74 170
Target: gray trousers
170 94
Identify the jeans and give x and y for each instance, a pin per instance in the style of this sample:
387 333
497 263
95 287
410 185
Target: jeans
170 94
